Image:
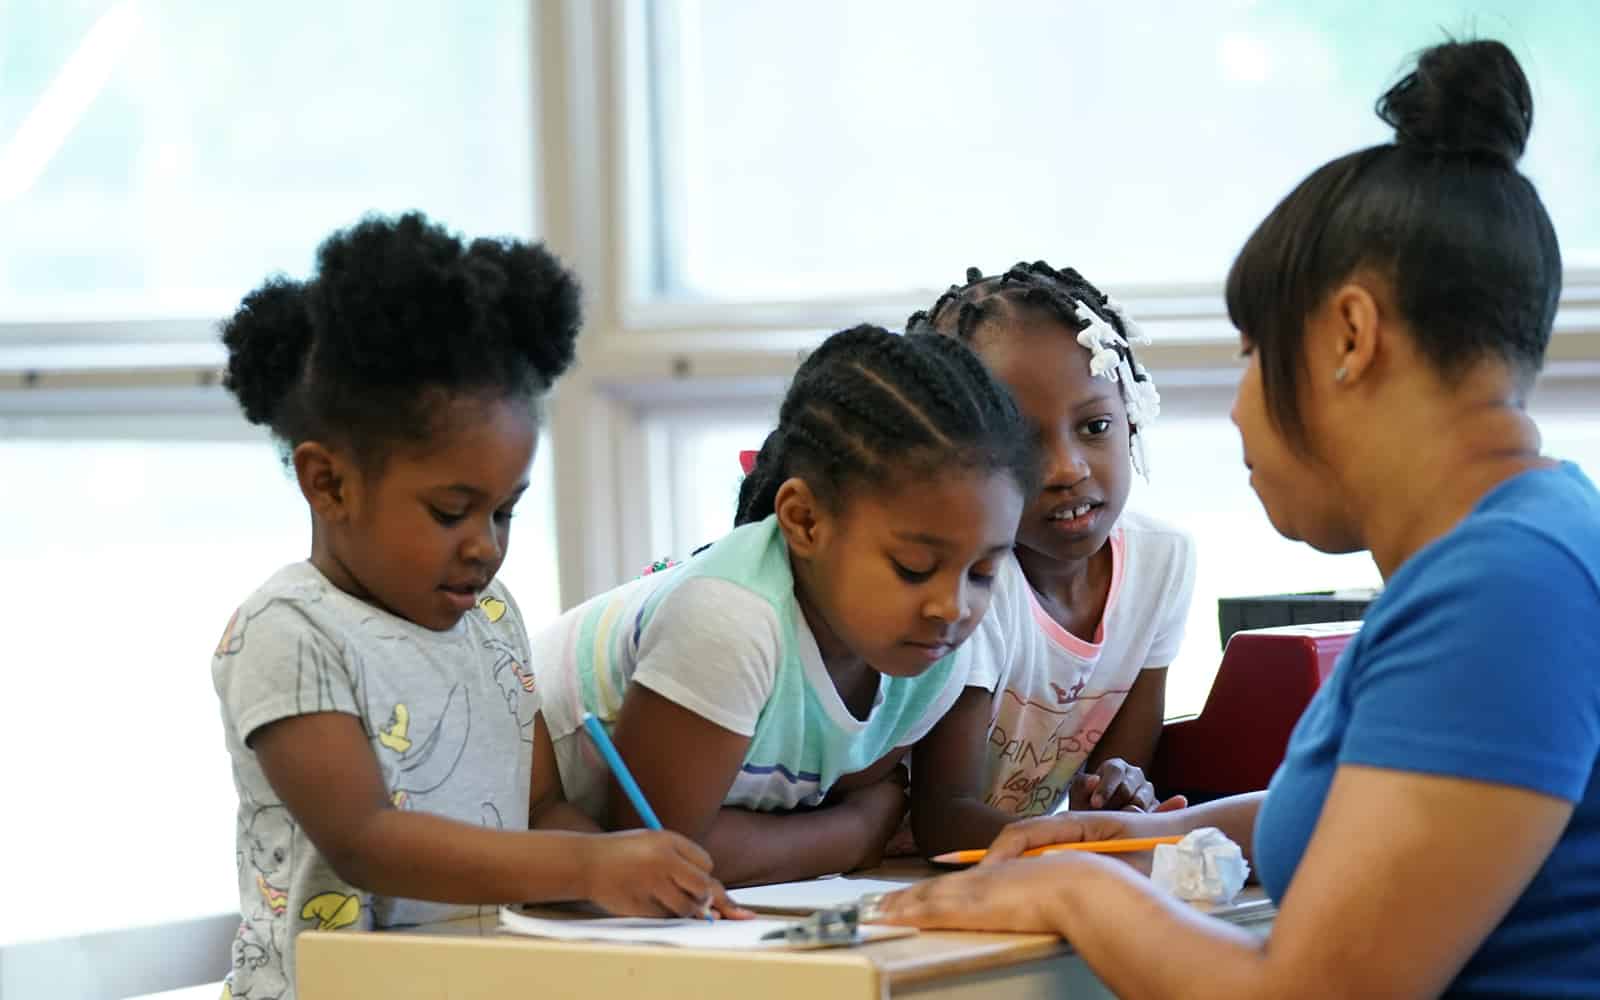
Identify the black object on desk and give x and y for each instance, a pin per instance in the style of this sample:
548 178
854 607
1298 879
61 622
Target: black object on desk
1235 614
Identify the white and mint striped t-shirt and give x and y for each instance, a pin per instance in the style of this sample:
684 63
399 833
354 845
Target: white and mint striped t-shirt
723 636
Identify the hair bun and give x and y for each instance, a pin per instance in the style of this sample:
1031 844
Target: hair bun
1467 98
539 296
268 339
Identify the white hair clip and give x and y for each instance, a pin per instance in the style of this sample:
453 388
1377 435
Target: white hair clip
1136 334
1139 394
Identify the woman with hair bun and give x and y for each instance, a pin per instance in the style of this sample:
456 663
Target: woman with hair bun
1435 825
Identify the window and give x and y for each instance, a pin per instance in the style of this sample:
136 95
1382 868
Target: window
700 458
127 554
158 158
842 149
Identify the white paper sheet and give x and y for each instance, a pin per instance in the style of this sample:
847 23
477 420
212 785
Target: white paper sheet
814 894
735 935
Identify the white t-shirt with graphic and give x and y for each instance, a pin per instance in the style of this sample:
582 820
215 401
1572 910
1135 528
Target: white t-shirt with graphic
1056 694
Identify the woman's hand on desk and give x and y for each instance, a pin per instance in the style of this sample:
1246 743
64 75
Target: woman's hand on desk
991 897
651 873
1073 828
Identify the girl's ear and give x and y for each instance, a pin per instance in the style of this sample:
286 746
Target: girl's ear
802 517
325 479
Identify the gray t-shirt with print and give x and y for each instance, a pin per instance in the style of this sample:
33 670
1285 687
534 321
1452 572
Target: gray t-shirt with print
449 716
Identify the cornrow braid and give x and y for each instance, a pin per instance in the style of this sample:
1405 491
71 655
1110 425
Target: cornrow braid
1038 289
963 309
872 407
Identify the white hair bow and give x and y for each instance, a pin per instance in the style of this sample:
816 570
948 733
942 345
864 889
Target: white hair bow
1139 393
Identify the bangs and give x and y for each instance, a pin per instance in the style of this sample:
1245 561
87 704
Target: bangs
1284 270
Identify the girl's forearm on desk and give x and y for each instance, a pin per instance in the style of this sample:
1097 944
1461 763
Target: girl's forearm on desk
948 782
755 848
951 822
1136 729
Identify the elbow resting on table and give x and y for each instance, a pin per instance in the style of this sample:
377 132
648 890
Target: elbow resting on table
954 823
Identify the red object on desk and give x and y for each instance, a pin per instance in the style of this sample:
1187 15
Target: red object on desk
1238 740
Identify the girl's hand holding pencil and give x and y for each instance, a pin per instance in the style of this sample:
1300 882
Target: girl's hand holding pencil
653 867
651 873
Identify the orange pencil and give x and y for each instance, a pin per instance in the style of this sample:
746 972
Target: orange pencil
1126 846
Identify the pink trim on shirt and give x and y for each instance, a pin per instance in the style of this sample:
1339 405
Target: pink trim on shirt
1066 640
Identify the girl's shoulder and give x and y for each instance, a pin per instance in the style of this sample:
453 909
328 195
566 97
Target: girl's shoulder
1157 569
678 594
296 598
298 582
1147 525
1009 602
752 556
1150 542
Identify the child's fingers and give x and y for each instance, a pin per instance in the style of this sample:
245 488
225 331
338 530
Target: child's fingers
1172 805
1131 792
1113 785
695 882
1126 796
691 852
678 901
1081 789
1139 798
725 906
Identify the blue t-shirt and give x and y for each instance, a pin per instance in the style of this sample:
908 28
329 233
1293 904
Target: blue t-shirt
1480 660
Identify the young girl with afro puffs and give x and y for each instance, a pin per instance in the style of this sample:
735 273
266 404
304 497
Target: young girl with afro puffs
377 697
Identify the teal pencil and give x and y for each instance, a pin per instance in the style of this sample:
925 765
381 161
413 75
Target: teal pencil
630 788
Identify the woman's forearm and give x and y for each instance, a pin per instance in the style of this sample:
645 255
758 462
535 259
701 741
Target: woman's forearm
1235 816
1147 945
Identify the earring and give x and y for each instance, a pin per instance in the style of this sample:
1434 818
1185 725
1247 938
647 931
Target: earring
1339 375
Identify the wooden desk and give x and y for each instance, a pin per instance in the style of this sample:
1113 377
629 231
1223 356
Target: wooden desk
470 960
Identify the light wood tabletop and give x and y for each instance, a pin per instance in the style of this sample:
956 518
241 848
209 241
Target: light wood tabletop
471 959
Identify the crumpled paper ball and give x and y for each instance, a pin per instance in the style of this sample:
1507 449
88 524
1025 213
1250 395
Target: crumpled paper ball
1205 865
